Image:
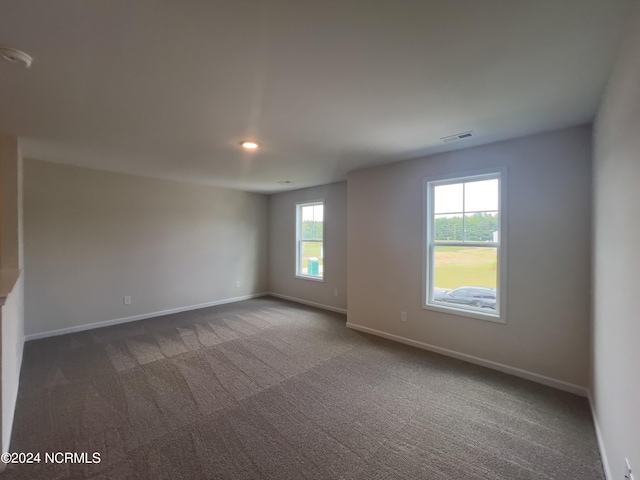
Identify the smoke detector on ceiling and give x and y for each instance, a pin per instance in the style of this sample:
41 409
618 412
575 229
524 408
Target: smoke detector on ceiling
14 55
458 136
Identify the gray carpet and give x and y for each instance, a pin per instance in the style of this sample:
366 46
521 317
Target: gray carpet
266 389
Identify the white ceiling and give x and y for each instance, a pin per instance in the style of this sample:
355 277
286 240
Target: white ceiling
169 88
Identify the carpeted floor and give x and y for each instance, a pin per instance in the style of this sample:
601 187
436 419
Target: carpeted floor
266 389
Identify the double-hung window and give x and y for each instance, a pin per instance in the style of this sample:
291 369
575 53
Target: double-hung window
465 245
310 240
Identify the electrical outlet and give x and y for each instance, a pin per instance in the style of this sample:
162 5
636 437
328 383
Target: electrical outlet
237 283
628 473
335 292
403 316
126 300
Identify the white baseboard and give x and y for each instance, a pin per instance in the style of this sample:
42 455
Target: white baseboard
311 304
551 382
116 321
603 453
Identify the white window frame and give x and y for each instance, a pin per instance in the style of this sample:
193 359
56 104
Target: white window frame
428 241
299 206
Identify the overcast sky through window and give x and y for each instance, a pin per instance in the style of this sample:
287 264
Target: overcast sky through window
314 213
480 196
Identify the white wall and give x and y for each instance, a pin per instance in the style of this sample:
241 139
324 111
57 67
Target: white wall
92 237
548 269
282 246
616 311
12 346
11 280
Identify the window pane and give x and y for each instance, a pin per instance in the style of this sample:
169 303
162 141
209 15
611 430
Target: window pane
312 224
481 196
318 213
475 269
481 227
462 263
447 198
311 258
314 213
310 236
448 228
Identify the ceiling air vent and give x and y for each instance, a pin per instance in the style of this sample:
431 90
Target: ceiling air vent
458 137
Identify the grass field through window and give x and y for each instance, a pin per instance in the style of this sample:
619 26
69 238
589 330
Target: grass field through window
458 266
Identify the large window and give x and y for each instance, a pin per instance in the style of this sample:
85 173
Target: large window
310 240
465 248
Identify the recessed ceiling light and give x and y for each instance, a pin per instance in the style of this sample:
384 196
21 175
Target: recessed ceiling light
247 145
14 55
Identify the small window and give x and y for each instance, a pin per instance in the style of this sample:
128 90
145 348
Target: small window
464 247
310 240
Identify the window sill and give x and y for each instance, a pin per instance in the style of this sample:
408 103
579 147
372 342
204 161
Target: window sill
459 312
313 279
